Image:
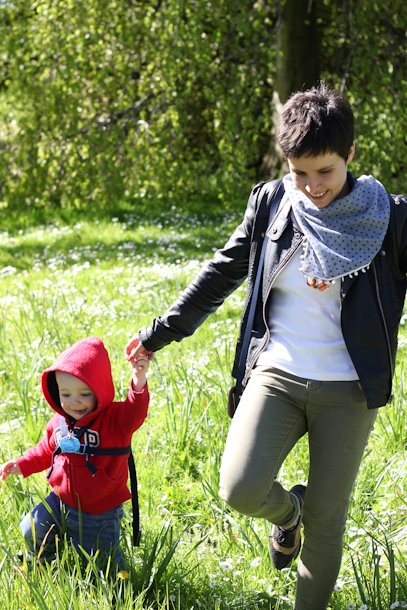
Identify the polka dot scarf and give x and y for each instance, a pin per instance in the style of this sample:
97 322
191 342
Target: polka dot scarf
343 238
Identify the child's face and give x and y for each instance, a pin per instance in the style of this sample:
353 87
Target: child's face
77 399
323 178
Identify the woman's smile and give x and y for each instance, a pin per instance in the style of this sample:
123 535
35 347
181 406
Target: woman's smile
322 178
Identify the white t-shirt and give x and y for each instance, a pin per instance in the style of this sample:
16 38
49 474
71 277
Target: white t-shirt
305 331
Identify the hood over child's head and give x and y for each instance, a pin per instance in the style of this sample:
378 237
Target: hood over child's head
87 360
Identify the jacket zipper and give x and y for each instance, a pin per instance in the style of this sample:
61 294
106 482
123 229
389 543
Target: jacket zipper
277 271
379 300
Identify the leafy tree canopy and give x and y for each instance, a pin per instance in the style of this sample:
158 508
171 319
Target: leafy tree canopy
106 100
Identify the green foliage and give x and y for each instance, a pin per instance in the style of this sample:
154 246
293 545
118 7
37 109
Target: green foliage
110 99
364 49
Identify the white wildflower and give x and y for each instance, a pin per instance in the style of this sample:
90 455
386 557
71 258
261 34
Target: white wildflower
9 270
227 564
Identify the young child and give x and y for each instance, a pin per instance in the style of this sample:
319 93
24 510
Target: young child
88 490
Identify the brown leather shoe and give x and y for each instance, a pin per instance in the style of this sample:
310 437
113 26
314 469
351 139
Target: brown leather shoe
285 545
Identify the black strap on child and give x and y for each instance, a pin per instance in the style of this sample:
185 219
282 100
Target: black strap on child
72 444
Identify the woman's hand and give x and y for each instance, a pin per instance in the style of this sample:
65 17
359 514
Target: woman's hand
135 350
320 285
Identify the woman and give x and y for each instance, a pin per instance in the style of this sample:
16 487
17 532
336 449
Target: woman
322 350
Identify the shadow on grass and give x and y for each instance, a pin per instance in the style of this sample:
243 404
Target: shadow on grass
146 210
166 238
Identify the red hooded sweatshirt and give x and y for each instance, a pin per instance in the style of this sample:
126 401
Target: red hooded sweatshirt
112 424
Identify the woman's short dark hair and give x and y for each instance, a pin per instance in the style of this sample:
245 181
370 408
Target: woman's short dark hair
315 122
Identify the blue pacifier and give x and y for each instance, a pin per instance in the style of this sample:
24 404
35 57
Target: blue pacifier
69 444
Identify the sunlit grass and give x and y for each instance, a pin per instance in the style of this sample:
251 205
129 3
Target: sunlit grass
61 282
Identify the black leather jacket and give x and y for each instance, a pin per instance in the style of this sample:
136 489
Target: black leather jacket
372 302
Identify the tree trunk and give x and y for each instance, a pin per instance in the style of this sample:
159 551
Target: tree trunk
298 66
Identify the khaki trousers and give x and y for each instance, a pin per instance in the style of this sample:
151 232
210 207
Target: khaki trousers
275 411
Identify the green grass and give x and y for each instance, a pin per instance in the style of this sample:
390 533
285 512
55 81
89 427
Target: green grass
60 282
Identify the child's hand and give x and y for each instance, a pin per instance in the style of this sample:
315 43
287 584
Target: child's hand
10 467
140 368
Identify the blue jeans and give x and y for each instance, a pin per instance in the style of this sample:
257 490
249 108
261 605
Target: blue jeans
53 518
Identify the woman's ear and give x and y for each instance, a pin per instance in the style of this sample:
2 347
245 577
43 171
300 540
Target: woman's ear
351 153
